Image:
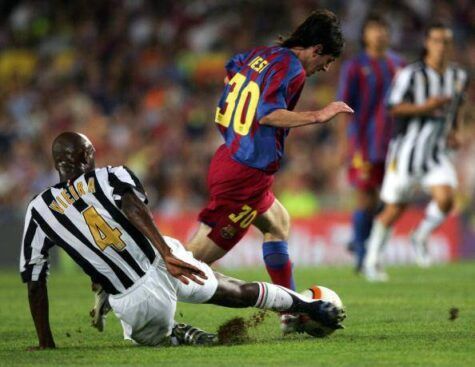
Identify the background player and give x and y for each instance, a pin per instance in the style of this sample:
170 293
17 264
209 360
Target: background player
100 218
419 150
364 138
254 116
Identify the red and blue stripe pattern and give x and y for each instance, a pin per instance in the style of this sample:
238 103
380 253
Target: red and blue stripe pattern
364 84
280 84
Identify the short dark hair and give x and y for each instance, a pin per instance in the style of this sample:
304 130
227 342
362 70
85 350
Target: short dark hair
437 24
321 27
372 18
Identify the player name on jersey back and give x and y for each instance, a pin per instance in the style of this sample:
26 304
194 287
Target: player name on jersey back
84 217
260 81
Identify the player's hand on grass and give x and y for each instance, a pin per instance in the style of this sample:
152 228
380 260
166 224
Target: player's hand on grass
184 271
330 111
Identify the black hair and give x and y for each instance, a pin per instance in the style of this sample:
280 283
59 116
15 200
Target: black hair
434 25
321 27
372 19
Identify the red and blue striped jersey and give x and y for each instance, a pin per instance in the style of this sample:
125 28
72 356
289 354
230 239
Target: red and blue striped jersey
260 81
364 84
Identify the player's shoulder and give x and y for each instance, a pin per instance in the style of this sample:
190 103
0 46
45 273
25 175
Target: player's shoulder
120 170
38 198
279 55
396 58
355 62
411 68
415 66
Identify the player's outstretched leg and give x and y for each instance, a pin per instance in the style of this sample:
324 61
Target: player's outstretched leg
275 226
238 294
436 212
372 268
362 222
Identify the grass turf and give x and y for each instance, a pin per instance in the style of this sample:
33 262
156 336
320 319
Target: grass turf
402 323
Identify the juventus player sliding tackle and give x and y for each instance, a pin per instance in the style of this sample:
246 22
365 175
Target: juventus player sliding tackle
426 130
100 218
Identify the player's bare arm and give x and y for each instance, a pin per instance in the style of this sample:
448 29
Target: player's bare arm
289 119
141 217
455 137
39 308
427 108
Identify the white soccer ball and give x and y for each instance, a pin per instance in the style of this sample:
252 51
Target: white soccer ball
318 292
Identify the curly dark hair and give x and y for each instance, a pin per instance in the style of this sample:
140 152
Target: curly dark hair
321 27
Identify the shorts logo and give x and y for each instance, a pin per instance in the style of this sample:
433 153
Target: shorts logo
228 232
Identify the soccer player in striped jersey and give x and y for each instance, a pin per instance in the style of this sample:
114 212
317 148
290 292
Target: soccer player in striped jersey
425 99
364 137
254 116
100 218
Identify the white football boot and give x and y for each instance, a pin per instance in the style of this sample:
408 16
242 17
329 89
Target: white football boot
374 274
421 250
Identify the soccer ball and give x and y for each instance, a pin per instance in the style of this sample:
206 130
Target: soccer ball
310 326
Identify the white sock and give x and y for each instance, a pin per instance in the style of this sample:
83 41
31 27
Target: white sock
376 242
433 218
274 297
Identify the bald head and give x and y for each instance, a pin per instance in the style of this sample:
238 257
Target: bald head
73 155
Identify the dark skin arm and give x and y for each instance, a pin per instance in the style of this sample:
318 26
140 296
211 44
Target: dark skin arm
141 217
39 308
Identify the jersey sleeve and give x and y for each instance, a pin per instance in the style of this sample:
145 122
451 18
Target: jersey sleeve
348 84
401 89
275 90
34 265
123 180
235 64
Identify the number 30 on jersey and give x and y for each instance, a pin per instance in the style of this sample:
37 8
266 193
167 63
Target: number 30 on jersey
240 98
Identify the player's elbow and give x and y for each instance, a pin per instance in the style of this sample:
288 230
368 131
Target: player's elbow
133 207
264 121
270 119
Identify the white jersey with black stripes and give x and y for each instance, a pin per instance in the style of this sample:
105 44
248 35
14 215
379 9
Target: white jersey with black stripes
419 142
84 217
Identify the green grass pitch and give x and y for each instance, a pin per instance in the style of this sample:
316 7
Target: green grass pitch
402 323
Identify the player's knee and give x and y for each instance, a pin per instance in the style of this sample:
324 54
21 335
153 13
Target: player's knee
248 294
280 230
390 214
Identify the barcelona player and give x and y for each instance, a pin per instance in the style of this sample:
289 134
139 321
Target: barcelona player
364 137
254 116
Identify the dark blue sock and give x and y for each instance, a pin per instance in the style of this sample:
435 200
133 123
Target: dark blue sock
278 265
362 224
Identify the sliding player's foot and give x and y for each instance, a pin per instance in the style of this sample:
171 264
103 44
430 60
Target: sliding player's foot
100 309
183 334
421 251
325 313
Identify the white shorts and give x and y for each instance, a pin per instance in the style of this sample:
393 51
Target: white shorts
147 309
400 187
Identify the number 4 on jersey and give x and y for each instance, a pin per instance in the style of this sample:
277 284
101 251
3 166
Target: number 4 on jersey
239 99
104 235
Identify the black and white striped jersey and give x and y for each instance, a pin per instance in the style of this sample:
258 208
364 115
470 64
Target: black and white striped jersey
84 217
419 142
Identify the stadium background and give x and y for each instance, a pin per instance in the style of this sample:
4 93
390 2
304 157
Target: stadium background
141 79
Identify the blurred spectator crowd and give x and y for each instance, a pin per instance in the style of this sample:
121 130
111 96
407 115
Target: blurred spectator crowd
142 78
